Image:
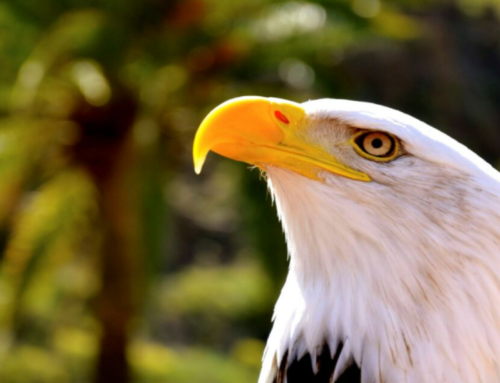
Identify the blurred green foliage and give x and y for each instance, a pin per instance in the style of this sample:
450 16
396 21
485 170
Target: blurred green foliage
118 264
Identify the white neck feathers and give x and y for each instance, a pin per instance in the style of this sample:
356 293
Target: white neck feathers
408 281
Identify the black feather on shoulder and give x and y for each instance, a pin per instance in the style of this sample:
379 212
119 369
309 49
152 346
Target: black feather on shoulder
300 371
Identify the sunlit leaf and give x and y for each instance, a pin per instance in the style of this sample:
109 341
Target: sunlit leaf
53 219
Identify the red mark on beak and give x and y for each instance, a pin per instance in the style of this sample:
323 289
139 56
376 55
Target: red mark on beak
280 116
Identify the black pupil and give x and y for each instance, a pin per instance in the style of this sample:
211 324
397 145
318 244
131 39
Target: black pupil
377 143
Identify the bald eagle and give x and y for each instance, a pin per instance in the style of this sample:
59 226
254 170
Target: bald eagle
393 234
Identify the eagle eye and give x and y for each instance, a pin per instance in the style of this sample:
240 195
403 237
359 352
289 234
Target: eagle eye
376 146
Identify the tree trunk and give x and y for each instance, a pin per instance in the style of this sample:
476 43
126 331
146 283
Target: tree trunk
104 150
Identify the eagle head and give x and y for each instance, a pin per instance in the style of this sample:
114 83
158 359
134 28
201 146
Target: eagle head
393 233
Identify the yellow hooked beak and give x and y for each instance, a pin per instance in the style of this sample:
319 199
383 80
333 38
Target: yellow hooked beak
265 131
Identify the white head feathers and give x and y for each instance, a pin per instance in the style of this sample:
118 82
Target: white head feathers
403 270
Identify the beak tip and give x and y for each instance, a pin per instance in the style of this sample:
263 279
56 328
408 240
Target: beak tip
199 161
197 168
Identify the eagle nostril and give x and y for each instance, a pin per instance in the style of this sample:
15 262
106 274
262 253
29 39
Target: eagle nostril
280 116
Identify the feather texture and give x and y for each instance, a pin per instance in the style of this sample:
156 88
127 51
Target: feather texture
317 370
404 271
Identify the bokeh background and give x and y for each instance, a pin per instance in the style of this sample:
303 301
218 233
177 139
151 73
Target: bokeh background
117 263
